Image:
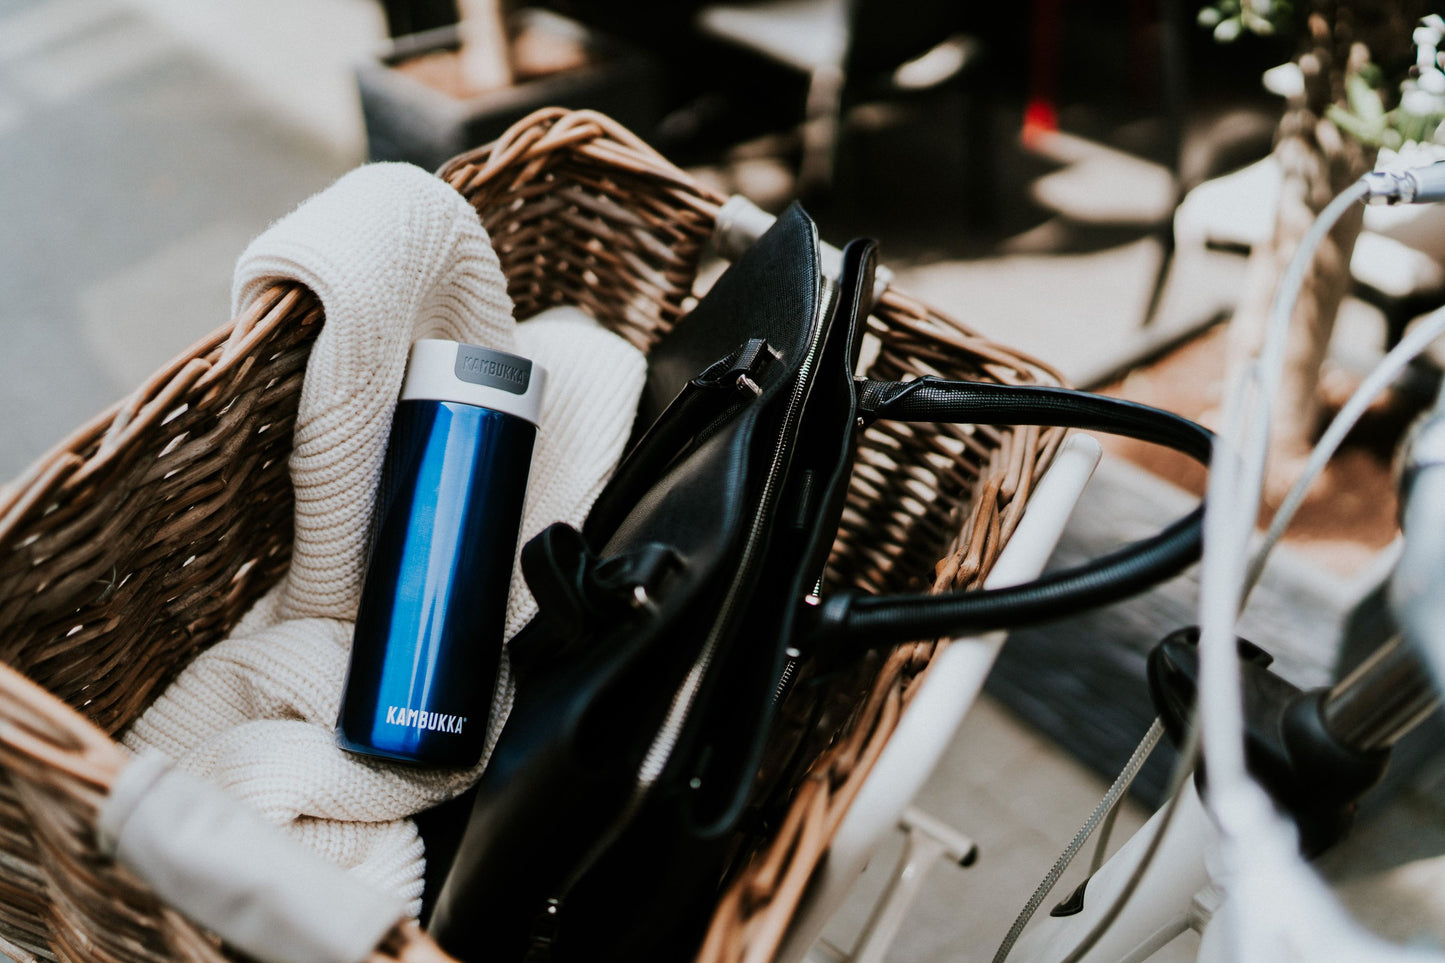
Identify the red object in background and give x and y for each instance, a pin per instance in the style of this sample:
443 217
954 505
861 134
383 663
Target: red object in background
1041 116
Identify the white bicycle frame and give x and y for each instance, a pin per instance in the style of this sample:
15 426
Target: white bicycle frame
1175 894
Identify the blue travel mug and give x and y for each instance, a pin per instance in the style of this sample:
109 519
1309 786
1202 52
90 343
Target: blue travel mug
428 636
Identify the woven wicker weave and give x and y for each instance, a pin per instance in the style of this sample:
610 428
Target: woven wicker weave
144 537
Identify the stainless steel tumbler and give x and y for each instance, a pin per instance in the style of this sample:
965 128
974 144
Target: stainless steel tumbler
428 635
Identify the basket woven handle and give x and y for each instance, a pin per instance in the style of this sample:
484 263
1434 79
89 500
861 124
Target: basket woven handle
202 851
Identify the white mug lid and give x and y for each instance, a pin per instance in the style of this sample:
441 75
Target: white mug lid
441 370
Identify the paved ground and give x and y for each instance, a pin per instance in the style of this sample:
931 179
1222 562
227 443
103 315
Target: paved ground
144 142
136 169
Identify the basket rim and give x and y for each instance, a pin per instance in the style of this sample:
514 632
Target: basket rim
197 373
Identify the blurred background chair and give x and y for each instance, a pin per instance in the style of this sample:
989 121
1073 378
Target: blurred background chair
851 51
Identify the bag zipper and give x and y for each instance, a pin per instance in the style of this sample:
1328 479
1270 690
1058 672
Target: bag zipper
660 752
794 657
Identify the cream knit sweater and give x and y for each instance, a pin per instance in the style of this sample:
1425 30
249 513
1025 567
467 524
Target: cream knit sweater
395 255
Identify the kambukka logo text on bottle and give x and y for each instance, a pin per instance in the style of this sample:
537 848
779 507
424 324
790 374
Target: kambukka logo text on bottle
494 369
421 719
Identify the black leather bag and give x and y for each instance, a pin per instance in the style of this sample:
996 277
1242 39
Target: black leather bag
647 684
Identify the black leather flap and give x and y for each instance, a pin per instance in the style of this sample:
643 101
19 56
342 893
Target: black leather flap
773 292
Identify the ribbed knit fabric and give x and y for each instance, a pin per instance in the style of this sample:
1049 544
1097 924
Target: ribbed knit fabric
394 255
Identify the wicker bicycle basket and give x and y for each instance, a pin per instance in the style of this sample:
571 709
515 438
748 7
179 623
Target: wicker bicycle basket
144 537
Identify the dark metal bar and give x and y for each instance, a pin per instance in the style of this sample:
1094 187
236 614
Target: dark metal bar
1389 694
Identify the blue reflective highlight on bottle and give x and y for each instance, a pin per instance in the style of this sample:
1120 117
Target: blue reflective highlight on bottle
429 630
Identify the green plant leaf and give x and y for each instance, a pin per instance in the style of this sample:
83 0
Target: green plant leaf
1364 100
1365 133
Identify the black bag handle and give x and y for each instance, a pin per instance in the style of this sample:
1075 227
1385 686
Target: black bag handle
849 622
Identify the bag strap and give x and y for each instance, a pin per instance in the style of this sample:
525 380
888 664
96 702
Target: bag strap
848 622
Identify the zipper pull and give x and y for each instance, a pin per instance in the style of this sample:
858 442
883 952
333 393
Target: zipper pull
742 370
